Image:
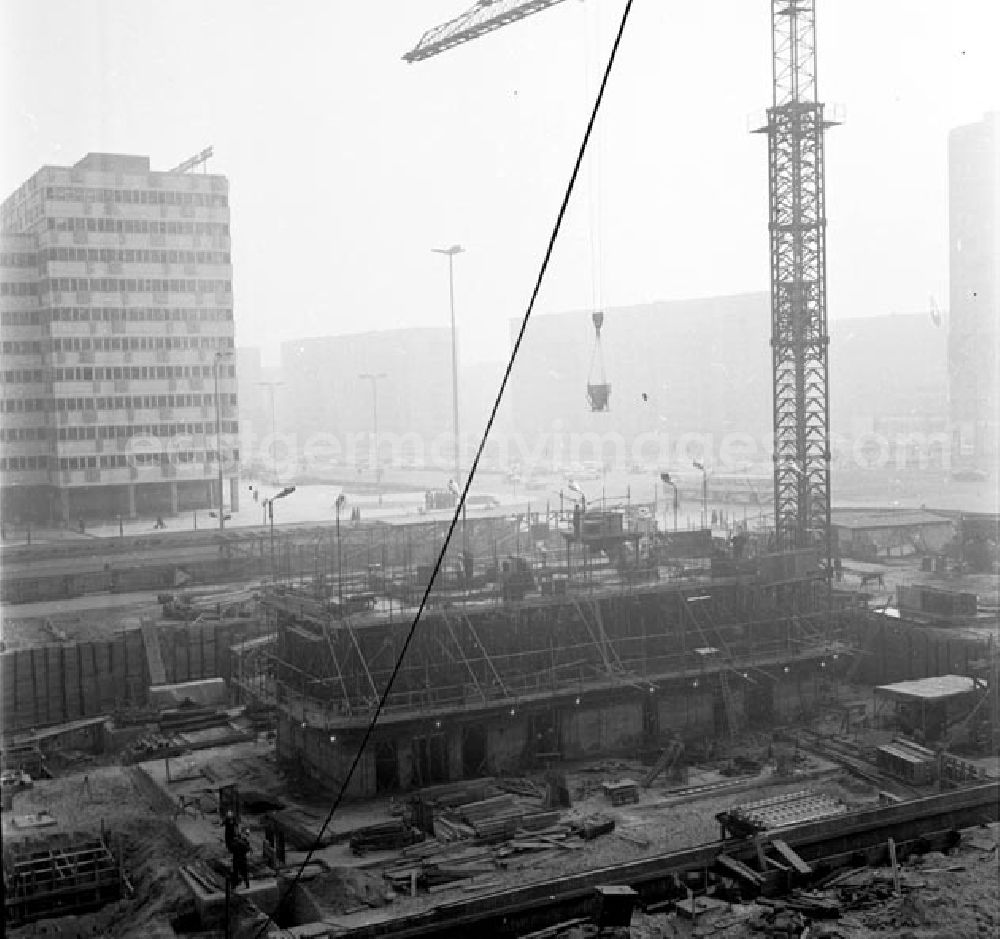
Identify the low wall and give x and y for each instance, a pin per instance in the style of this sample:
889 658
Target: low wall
897 650
56 683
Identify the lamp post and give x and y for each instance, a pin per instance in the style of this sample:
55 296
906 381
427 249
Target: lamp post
669 482
338 505
271 387
269 508
374 378
218 435
704 492
450 253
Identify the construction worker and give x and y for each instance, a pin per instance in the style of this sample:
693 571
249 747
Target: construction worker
240 848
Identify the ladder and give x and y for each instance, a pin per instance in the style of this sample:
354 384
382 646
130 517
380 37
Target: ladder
663 762
732 714
154 659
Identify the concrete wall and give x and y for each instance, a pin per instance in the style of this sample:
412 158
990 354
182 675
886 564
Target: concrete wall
899 651
57 683
310 750
685 713
794 695
505 744
586 730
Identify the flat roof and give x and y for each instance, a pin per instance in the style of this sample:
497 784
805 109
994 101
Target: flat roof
884 518
928 689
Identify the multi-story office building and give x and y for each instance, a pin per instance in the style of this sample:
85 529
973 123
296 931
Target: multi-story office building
974 273
117 319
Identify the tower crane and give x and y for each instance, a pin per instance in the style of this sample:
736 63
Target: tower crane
795 131
484 17
799 339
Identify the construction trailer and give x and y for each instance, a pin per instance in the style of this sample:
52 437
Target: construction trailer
926 708
873 534
488 685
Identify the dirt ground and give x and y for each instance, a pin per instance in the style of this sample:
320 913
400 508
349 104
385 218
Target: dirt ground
114 799
80 620
143 812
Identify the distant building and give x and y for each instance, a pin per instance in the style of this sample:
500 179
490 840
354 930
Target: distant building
117 307
872 534
889 376
691 367
331 409
675 367
974 269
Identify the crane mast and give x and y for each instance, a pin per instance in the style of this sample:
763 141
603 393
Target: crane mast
799 340
795 131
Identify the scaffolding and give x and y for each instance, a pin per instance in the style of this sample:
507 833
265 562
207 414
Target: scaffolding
486 657
66 874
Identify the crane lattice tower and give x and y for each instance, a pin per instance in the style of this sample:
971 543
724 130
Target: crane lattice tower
799 340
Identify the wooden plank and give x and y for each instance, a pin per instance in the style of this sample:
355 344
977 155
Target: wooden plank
154 658
738 870
790 856
895 866
70 669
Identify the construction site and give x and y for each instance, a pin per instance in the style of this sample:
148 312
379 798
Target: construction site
538 723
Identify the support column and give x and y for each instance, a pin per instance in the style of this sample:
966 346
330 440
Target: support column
131 500
173 498
64 505
234 494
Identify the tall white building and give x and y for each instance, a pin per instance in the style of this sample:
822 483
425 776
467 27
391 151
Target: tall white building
117 340
974 274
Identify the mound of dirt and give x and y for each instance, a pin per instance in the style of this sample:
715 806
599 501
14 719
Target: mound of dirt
346 888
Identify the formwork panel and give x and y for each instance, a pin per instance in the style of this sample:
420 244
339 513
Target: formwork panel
71 873
505 743
621 725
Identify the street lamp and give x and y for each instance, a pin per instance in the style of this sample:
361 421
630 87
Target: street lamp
271 387
218 435
704 492
269 508
338 505
668 481
374 378
450 253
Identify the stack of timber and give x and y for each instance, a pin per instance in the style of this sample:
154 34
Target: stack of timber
593 826
386 836
179 720
792 808
521 787
431 865
448 829
449 795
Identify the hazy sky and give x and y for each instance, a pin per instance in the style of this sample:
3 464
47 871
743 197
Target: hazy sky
347 165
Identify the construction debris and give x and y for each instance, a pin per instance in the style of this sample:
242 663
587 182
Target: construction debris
622 792
387 836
